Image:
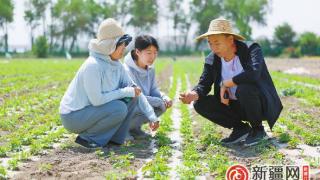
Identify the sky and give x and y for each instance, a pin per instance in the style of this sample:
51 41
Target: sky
301 15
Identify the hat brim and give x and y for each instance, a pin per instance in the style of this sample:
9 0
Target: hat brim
205 35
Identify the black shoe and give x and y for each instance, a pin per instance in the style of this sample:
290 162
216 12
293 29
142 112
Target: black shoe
255 136
85 143
238 134
138 134
114 143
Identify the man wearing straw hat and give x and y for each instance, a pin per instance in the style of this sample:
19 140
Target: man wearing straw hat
244 93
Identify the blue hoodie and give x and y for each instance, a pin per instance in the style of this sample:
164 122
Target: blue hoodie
145 79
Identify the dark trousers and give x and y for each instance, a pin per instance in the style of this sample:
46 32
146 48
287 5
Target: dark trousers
247 107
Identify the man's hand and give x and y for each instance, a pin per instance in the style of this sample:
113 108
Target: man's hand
137 91
154 125
224 90
188 97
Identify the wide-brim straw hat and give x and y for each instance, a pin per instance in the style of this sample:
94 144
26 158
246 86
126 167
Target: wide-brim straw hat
220 26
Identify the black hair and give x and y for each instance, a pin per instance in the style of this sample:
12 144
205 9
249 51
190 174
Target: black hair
125 39
143 42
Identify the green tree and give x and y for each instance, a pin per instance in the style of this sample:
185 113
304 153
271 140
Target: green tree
52 28
40 49
6 16
284 36
309 43
41 6
32 21
74 17
61 17
144 14
245 12
1 44
266 46
36 10
117 9
203 11
95 10
181 21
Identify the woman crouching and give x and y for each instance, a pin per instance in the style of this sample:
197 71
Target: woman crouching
100 101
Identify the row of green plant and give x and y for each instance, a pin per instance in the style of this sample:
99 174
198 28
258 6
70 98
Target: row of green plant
298 78
192 158
304 126
29 75
302 133
158 168
119 162
29 108
288 88
202 151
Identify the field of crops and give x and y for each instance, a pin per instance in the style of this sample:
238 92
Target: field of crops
33 144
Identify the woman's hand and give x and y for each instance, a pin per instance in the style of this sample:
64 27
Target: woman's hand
137 91
154 125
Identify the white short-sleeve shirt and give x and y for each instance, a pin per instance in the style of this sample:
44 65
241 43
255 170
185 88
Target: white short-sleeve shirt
229 70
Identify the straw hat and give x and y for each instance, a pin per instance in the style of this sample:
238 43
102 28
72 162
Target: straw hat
220 26
109 32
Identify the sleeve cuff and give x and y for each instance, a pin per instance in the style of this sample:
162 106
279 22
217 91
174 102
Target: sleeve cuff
128 91
153 118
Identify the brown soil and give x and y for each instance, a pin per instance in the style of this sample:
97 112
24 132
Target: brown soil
76 162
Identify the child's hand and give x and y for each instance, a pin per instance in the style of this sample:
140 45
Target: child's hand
154 125
168 103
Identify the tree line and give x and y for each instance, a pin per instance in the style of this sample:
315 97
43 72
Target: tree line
287 42
73 19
